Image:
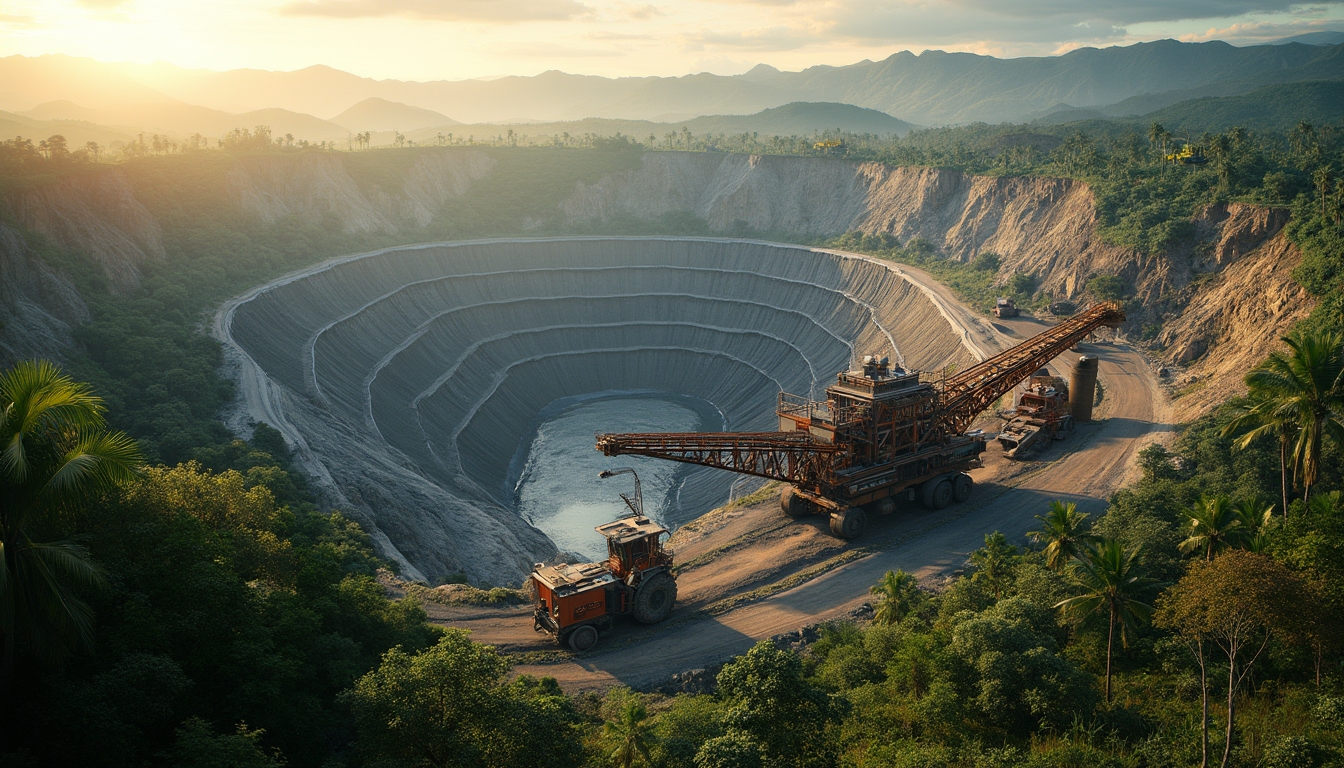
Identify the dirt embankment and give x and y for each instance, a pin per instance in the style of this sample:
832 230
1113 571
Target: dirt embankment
315 185
1220 301
1217 304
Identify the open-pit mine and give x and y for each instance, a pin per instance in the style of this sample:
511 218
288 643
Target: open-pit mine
415 380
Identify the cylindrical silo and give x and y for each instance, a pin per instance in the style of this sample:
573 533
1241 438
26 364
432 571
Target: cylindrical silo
1083 388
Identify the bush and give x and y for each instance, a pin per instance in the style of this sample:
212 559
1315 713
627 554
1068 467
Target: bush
1108 287
986 262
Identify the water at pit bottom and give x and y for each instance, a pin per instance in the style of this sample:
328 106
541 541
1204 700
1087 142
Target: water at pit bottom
558 489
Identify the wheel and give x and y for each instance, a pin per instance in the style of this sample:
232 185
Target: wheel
1069 424
926 489
942 494
883 506
849 523
962 485
583 638
793 504
654 599
936 493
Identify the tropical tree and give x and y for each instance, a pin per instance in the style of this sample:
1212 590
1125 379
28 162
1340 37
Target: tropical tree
1256 518
1306 383
1261 415
897 595
1111 581
995 562
55 455
1061 532
771 701
1213 525
1235 603
629 734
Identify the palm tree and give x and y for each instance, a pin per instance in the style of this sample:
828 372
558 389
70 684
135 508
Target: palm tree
1213 526
630 734
55 455
1111 579
995 562
1308 383
1260 415
1060 530
1256 516
898 594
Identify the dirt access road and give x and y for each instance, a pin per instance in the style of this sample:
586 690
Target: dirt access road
748 573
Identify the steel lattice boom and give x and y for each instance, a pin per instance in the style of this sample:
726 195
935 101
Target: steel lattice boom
788 456
968 393
880 430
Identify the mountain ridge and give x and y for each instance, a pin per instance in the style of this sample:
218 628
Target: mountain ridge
931 88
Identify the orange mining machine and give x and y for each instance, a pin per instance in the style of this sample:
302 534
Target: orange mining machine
881 434
574 602
1042 413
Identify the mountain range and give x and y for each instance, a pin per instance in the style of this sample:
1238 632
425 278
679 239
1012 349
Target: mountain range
932 88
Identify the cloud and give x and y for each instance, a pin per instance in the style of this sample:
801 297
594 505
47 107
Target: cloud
643 12
1251 33
769 39
490 11
1007 23
102 5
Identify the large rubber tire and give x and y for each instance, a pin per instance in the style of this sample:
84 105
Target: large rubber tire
962 485
794 505
942 494
584 638
849 523
654 598
883 506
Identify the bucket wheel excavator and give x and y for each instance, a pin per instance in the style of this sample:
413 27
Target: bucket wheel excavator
881 434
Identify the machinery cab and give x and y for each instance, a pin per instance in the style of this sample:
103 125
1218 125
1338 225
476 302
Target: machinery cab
634 545
1045 396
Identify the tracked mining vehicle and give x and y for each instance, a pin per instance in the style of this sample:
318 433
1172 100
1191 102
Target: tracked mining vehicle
575 602
882 434
1042 414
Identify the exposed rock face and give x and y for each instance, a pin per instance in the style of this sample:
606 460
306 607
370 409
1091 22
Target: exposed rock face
96 214
1044 227
340 358
314 185
38 307
410 377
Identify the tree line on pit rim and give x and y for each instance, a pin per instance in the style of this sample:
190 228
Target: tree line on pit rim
179 616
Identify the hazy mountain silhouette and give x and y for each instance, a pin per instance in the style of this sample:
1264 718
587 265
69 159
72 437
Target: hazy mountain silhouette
932 88
375 114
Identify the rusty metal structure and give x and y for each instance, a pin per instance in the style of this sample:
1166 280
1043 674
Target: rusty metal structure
1042 413
881 433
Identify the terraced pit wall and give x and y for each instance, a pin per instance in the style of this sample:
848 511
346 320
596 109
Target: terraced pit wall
1219 301
412 376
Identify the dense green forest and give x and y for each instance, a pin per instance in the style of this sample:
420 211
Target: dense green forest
236 623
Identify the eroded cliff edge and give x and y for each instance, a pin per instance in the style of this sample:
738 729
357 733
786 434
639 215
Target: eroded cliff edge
1219 301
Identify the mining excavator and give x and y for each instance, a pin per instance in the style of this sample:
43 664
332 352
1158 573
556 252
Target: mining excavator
882 434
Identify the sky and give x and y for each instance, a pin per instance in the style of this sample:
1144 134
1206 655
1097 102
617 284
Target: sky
462 39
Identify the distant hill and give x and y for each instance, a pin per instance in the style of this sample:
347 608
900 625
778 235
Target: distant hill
802 119
932 88
1328 66
178 120
798 119
76 132
1277 107
1324 37
375 114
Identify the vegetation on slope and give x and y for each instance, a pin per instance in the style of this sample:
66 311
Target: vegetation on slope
238 624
